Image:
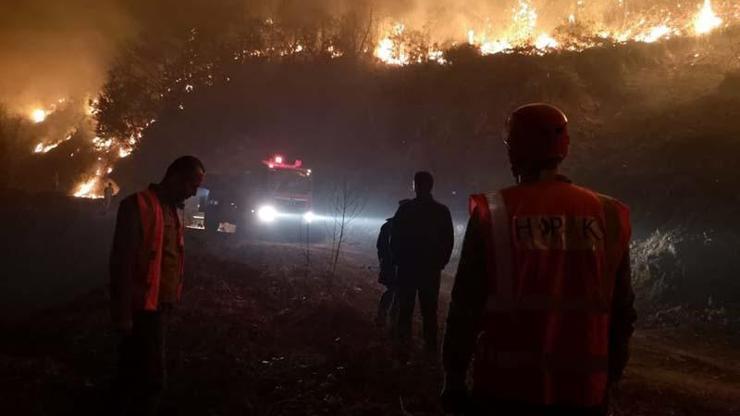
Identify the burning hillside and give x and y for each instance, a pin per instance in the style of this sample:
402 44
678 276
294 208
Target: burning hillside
367 92
111 123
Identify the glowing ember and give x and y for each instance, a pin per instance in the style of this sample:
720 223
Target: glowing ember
44 148
47 147
437 56
391 52
706 20
334 52
38 115
496 46
124 152
101 144
654 34
545 41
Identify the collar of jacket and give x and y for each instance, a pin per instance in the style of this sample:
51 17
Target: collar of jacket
558 178
157 189
563 178
424 197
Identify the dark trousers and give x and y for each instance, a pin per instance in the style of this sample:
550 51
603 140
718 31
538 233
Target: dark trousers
141 365
425 284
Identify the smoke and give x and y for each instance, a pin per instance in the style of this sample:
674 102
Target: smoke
57 49
52 49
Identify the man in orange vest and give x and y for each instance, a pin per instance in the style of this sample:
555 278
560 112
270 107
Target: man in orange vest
146 270
542 299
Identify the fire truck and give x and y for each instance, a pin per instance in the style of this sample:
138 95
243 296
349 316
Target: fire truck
276 196
288 194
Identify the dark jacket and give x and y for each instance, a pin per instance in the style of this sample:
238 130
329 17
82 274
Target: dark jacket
469 298
124 255
422 235
387 274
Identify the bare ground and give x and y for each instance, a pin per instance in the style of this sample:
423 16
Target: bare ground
259 333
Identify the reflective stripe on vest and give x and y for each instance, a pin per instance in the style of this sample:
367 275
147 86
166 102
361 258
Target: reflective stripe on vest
502 248
149 262
152 224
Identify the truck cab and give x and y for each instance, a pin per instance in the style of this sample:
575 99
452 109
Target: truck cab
288 193
273 197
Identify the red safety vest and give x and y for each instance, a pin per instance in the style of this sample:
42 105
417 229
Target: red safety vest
552 257
149 262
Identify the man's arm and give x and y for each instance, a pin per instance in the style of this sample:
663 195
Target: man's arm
622 320
382 244
448 236
397 235
466 306
122 262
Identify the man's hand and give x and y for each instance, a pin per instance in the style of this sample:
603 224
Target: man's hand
455 399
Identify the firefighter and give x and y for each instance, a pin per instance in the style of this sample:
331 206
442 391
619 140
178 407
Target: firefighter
542 298
422 237
146 270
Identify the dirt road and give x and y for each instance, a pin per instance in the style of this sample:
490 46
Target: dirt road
260 334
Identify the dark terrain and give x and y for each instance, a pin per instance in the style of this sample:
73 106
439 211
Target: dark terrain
259 333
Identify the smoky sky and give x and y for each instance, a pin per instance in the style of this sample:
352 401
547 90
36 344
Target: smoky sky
51 49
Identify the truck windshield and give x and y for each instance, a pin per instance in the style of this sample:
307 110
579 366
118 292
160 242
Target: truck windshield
289 182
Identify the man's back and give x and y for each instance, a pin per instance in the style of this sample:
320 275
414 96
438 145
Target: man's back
553 260
422 234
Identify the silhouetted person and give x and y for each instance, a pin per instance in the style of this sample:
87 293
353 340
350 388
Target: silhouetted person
388 275
422 238
107 196
146 270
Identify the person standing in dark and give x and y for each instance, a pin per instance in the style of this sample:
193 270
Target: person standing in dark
146 271
388 275
422 238
107 197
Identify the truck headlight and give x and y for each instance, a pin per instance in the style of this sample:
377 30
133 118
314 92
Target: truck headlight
309 217
267 213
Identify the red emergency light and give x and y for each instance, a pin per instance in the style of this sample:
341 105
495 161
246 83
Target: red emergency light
278 162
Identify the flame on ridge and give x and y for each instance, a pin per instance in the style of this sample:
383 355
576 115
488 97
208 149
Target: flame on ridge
706 20
397 45
523 33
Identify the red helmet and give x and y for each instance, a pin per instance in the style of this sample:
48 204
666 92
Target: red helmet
536 133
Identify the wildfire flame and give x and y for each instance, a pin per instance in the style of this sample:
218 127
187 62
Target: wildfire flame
47 147
654 34
391 52
86 189
706 20
523 35
38 115
523 30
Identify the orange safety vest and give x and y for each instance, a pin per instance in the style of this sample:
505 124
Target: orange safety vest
552 256
149 261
